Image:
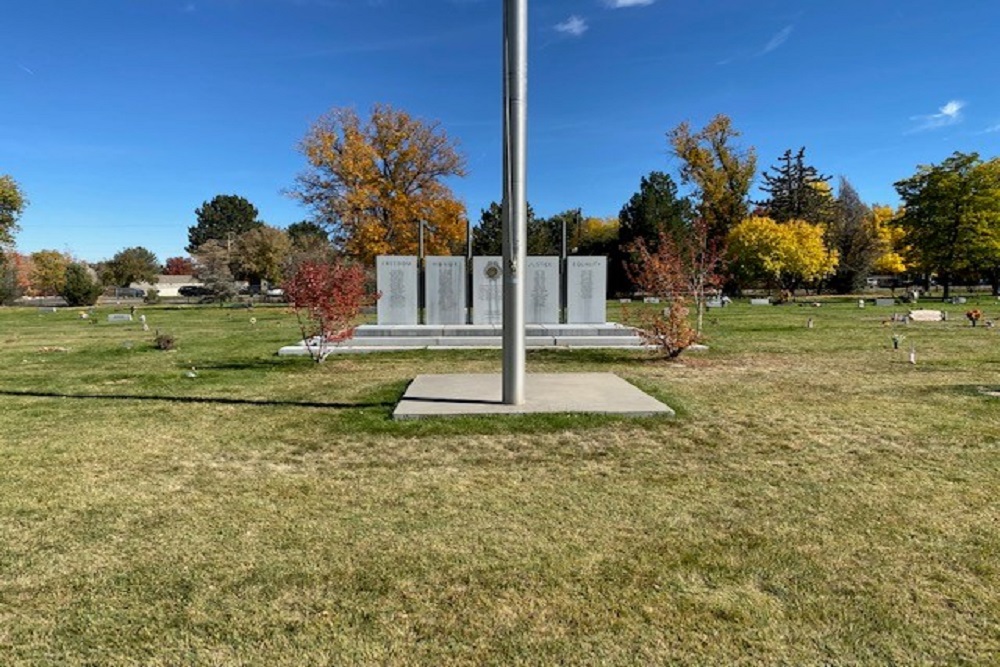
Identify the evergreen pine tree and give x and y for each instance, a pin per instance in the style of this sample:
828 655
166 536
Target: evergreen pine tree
797 191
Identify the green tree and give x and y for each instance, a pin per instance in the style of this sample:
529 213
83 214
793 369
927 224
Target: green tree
855 235
545 235
212 267
81 287
307 235
262 254
797 191
952 217
222 219
655 209
310 243
487 236
12 205
720 172
131 265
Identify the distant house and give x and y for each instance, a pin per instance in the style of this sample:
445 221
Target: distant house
168 286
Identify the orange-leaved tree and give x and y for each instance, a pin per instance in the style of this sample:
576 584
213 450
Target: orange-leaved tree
682 267
327 298
373 183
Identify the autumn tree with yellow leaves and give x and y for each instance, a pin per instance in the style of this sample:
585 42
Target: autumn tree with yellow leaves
788 255
719 170
892 238
372 182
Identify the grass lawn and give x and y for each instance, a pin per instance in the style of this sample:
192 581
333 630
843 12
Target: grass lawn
817 501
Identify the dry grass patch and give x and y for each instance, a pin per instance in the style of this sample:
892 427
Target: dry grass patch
818 501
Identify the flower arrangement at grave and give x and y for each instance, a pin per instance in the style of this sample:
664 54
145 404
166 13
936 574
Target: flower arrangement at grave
974 316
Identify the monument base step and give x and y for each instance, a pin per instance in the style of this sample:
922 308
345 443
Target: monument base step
375 338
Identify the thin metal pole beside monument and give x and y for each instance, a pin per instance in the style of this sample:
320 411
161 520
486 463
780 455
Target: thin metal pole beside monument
515 214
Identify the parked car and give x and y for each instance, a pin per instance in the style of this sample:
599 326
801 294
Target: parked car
194 290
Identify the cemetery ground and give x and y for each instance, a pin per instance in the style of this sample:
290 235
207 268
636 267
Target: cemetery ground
817 500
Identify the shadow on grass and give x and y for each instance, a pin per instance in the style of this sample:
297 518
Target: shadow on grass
201 399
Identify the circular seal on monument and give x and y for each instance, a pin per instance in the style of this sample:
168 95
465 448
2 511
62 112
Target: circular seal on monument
492 271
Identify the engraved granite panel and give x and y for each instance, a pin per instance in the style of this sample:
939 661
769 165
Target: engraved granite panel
542 291
487 290
397 282
444 285
587 279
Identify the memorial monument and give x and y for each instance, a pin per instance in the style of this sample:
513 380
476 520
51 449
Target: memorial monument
587 285
487 290
444 289
542 290
397 281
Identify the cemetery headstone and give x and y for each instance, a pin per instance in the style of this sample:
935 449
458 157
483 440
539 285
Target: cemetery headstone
587 286
925 316
47 309
760 302
885 302
119 317
542 291
396 276
487 290
651 299
444 284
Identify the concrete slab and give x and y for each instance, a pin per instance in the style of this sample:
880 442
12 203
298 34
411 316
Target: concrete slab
458 395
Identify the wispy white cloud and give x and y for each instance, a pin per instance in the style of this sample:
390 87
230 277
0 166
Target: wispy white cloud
949 114
574 26
992 129
25 69
621 4
780 38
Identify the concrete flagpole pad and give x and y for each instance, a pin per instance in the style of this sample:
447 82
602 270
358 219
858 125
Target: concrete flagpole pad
458 395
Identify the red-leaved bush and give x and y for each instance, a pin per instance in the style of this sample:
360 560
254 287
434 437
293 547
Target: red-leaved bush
327 298
677 269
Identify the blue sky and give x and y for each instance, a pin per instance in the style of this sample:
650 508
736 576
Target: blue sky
120 117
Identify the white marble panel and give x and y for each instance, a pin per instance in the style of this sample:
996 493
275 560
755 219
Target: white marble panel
396 276
587 286
487 290
444 287
542 291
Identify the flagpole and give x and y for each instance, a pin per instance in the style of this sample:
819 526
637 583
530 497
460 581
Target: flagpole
515 213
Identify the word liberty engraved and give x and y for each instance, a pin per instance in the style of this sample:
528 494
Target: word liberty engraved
539 295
